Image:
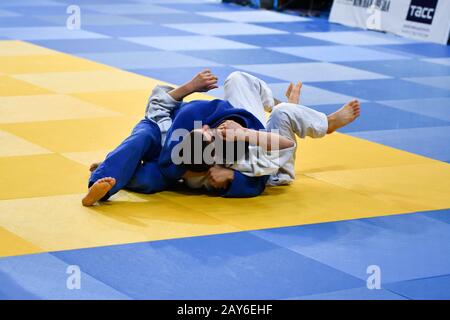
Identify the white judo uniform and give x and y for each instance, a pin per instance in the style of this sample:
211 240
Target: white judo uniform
248 92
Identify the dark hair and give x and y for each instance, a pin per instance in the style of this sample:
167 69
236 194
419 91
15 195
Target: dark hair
223 150
191 141
231 152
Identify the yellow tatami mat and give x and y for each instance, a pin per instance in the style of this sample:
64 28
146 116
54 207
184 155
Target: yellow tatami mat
59 113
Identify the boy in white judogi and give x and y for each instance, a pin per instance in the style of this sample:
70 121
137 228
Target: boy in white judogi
289 120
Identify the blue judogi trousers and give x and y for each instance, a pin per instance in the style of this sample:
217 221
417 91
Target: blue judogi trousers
134 163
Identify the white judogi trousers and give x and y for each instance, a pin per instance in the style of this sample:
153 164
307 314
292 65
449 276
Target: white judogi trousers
245 91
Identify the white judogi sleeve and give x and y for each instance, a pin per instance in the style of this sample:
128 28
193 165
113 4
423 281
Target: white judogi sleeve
260 162
160 107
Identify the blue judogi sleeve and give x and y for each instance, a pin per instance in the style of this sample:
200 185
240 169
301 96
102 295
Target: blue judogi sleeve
184 121
211 113
244 186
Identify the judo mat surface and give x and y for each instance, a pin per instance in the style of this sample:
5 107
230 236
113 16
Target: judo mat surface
375 193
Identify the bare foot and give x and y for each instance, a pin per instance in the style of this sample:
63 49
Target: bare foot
289 90
345 115
98 190
293 92
94 166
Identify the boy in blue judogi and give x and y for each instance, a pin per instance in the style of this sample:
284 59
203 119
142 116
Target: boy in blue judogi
136 165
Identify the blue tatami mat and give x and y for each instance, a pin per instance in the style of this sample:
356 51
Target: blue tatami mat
322 261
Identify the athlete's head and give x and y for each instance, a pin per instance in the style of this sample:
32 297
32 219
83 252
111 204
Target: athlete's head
207 148
196 144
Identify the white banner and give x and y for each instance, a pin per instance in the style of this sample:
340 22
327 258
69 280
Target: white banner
427 20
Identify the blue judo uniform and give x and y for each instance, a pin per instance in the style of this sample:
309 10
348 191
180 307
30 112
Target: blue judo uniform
141 165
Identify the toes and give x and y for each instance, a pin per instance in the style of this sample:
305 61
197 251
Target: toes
351 104
111 181
289 90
